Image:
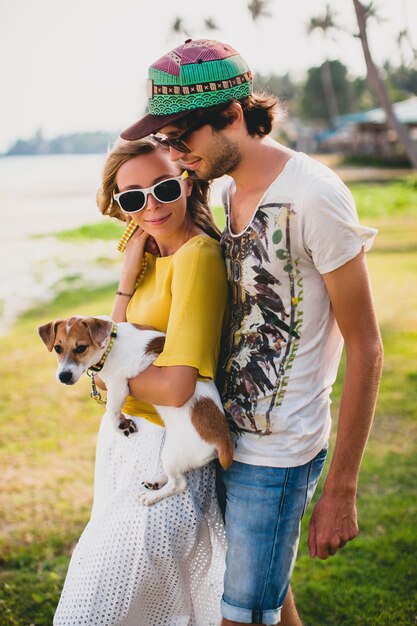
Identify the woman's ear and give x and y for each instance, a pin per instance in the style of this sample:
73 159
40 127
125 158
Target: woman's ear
188 187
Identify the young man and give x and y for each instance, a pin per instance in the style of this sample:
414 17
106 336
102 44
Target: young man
295 258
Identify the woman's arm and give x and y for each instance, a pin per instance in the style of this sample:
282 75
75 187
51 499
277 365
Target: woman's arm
135 250
166 386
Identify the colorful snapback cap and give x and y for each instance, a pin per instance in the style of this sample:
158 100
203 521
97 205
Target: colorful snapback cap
198 74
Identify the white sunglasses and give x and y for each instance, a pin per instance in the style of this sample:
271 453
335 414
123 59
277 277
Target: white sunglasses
134 200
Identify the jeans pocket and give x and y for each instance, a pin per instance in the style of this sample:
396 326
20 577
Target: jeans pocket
315 470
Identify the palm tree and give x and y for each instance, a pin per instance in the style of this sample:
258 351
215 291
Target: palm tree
326 23
363 13
210 24
178 27
258 8
403 37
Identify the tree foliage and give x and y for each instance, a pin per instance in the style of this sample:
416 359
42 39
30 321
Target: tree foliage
351 94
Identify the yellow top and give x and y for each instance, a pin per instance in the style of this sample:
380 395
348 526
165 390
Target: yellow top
184 295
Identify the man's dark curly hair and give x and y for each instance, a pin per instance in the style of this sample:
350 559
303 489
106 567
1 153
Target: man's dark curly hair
260 111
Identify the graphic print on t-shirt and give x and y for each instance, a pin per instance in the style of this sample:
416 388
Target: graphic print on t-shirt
266 318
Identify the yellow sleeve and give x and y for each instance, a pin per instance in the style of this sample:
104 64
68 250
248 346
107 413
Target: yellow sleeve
199 303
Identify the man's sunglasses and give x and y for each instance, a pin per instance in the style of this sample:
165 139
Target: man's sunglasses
134 200
178 142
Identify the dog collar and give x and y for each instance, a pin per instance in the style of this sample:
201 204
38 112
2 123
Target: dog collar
94 369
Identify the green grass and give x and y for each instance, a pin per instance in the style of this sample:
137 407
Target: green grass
107 230
47 449
372 581
395 199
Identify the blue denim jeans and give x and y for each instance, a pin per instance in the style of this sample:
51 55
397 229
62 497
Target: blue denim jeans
264 507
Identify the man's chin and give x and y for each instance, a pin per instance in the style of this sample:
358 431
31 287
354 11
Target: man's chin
199 174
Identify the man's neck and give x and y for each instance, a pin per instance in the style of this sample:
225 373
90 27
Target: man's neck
262 161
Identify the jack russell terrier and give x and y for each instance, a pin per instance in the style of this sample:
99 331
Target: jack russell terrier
196 433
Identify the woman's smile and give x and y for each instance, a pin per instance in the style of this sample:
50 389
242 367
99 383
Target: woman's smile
158 221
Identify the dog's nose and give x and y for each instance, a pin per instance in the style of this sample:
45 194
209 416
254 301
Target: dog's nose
65 377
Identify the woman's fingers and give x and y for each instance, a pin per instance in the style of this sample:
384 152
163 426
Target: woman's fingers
151 246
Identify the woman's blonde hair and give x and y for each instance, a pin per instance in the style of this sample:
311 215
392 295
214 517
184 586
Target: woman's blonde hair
197 203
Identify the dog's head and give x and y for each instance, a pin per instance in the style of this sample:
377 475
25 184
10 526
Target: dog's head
78 343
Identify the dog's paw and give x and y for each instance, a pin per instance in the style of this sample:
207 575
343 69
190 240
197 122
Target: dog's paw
147 499
152 486
127 425
155 484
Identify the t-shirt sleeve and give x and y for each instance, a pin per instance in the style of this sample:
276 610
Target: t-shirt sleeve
332 233
199 303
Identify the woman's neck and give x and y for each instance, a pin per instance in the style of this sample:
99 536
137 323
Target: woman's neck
171 244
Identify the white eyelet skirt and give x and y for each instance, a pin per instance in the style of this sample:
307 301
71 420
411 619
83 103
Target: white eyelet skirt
135 565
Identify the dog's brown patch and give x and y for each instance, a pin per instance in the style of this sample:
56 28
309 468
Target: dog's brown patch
155 346
98 329
47 333
211 425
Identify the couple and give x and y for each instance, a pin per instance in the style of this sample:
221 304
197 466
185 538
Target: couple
297 278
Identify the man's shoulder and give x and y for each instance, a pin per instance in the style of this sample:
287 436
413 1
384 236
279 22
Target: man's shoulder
309 169
305 178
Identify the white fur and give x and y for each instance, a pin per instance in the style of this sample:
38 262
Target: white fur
184 449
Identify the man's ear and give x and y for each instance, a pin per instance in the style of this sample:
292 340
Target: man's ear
98 329
234 114
47 333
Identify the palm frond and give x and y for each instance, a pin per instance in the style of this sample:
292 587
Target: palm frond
258 8
210 24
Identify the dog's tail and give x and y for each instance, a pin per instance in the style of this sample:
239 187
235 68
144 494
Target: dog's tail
225 451
210 423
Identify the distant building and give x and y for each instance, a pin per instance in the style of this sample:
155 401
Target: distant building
366 133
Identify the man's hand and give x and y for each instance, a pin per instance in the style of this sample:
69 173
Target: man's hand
332 524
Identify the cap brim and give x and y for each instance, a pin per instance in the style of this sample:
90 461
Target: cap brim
150 124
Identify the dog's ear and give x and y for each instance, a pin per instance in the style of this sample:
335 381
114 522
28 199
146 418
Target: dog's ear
47 333
99 329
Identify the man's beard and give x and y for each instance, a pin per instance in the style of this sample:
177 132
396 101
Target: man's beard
224 159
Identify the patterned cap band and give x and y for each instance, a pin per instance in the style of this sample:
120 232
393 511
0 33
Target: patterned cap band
172 98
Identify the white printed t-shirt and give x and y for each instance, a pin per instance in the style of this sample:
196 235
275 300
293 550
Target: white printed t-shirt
284 344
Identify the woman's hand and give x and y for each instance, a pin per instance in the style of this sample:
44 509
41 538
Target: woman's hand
134 253
100 382
132 265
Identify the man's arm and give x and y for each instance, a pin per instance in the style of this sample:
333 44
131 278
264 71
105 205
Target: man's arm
334 521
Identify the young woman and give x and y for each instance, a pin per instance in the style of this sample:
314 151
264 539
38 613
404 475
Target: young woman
159 565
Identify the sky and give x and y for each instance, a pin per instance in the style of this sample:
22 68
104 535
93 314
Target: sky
81 65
